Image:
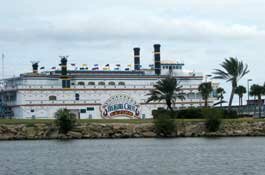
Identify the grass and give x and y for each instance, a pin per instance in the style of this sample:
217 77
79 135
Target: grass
50 121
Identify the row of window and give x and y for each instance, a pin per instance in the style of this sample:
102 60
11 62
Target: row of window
172 67
77 96
112 83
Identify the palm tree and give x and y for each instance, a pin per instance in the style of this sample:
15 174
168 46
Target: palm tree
257 90
166 89
240 91
205 90
220 95
233 71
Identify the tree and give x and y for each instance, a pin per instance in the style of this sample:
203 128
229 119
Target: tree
65 120
233 71
240 91
220 95
205 89
167 90
258 91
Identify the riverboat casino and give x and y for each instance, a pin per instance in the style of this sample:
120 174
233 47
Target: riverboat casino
97 93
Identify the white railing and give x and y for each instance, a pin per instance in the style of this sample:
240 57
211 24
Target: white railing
192 86
61 101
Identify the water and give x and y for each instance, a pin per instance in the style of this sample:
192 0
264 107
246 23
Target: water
191 156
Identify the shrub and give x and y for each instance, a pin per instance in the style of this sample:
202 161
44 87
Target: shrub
213 118
190 113
164 126
65 120
161 112
230 114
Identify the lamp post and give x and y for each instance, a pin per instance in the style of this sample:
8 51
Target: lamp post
248 87
206 76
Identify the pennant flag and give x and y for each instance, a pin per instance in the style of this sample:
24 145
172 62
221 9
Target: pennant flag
118 65
42 68
72 64
129 65
107 65
53 68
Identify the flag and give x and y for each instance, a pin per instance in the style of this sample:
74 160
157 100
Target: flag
72 64
129 65
151 65
107 65
118 65
53 68
42 68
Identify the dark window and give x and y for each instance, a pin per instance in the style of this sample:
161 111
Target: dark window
32 110
81 83
77 96
111 83
52 98
101 83
82 110
91 83
121 84
90 109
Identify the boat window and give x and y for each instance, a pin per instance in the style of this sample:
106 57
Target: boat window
101 83
111 83
77 96
81 83
121 83
91 83
52 98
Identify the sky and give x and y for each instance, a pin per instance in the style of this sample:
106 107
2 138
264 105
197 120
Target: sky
201 33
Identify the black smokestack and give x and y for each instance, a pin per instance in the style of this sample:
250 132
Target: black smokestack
157 59
136 58
64 77
35 67
64 65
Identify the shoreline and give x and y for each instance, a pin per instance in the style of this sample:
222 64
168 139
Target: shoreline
94 130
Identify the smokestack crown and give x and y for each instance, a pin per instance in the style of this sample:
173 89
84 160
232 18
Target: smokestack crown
136 58
157 59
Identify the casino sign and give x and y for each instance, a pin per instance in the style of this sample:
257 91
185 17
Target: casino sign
120 106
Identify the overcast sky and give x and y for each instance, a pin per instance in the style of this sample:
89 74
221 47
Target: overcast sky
199 32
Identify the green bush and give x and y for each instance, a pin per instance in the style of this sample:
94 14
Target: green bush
65 120
213 118
161 112
190 113
165 126
230 114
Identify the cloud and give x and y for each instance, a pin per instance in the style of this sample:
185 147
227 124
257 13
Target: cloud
81 28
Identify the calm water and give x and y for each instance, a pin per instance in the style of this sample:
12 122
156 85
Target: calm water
182 156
